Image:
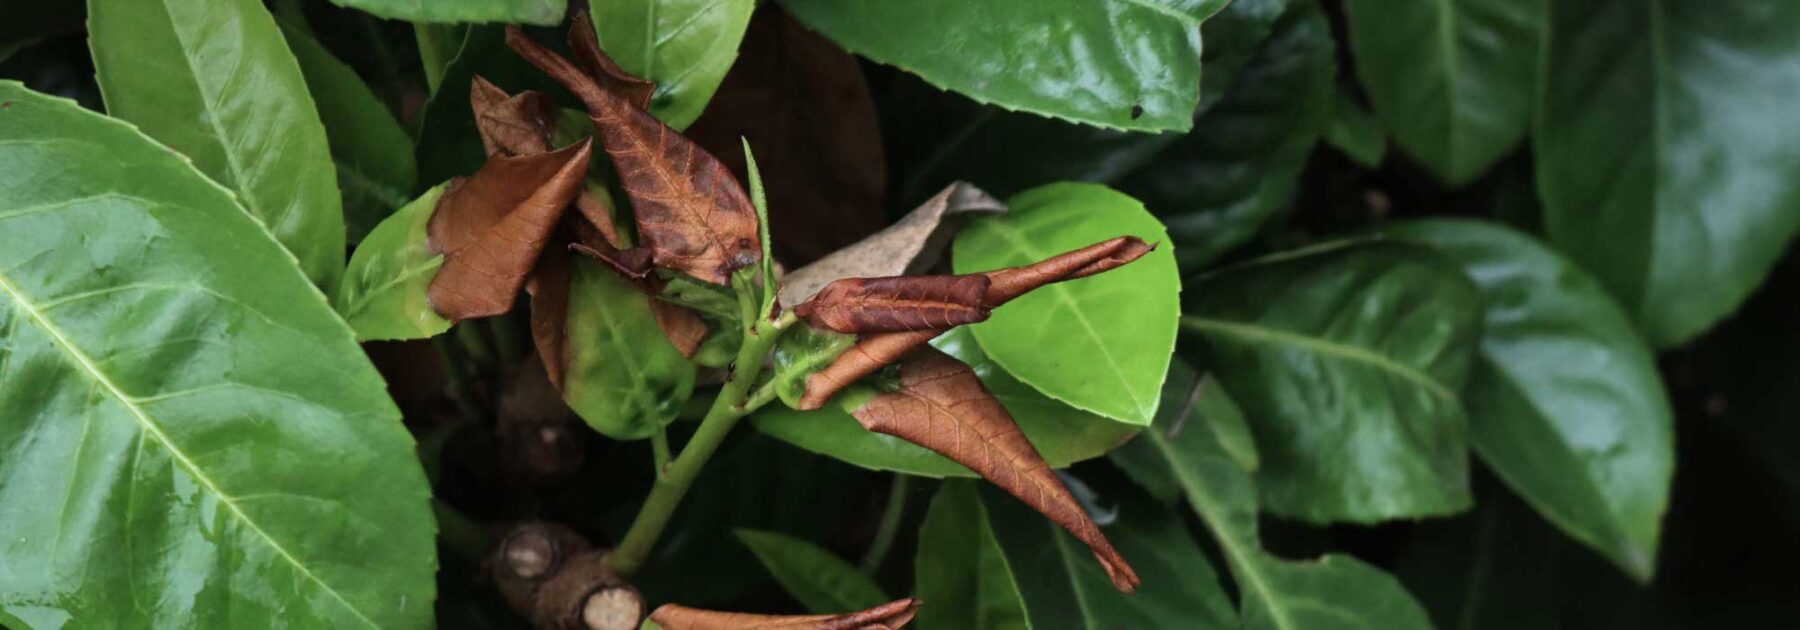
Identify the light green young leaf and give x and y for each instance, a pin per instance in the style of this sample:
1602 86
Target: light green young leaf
384 291
1664 155
1347 362
192 437
375 168
960 570
1565 402
214 80
1114 332
624 377
539 12
823 582
767 265
684 46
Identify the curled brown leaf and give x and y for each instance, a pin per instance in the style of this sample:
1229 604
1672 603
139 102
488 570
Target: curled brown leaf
492 226
585 45
873 351
911 245
691 213
900 303
890 616
940 404
520 124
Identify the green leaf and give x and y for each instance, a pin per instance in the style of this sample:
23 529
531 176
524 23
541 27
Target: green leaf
1060 582
1347 361
1564 400
823 582
375 168
624 377
1062 58
1665 159
1453 79
1114 332
960 569
449 145
192 438
1497 568
214 80
1062 434
767 264
1355 132
384 291
1333 592
539 12
684 46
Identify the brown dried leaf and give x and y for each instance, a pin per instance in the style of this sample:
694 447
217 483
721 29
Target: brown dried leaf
492 226
549 289
691 213
942 405
516 125
683 327
890 616
873 351
585 45
900 303
909 246
802 102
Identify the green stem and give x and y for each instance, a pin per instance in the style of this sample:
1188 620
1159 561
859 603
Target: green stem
461 533
890 525
659 450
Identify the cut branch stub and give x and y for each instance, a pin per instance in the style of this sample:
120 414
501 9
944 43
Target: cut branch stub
492 226
691 213
890 616
941 405
875 350
871 305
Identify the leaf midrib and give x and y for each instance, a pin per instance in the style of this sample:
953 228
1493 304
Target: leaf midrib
86 364
1259 334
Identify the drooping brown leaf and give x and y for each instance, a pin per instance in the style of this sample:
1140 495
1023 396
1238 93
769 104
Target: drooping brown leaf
549 289
941 405
890 616
911 245
585 45
691 213
873 351
896 304
492 226
681 325
802 102
521 124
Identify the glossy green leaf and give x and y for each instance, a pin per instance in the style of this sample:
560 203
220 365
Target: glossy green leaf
1453 79
1114 332
684 46
960 570
1356 132
1124 64
1062 586
1062 434
375 168
1347 361
1564 400
540 12
1665 150
1332 592
823 582
191 436
214 80
624 377
384 293
449 145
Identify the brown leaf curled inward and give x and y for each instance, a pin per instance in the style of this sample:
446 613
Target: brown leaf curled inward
902 303
873 351
890 616
520 124
692 214
492 226
942 405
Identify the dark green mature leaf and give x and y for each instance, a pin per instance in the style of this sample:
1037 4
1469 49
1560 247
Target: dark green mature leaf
1113 332
192 438
683 46
1453 79
1356 132
1665 153
1347 361
624 377
823 582
375 168
449 144
960 569
214 80
1061 434
1330 593
541 12
1497 568
1564 400
384 293
1060 58
1061 588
